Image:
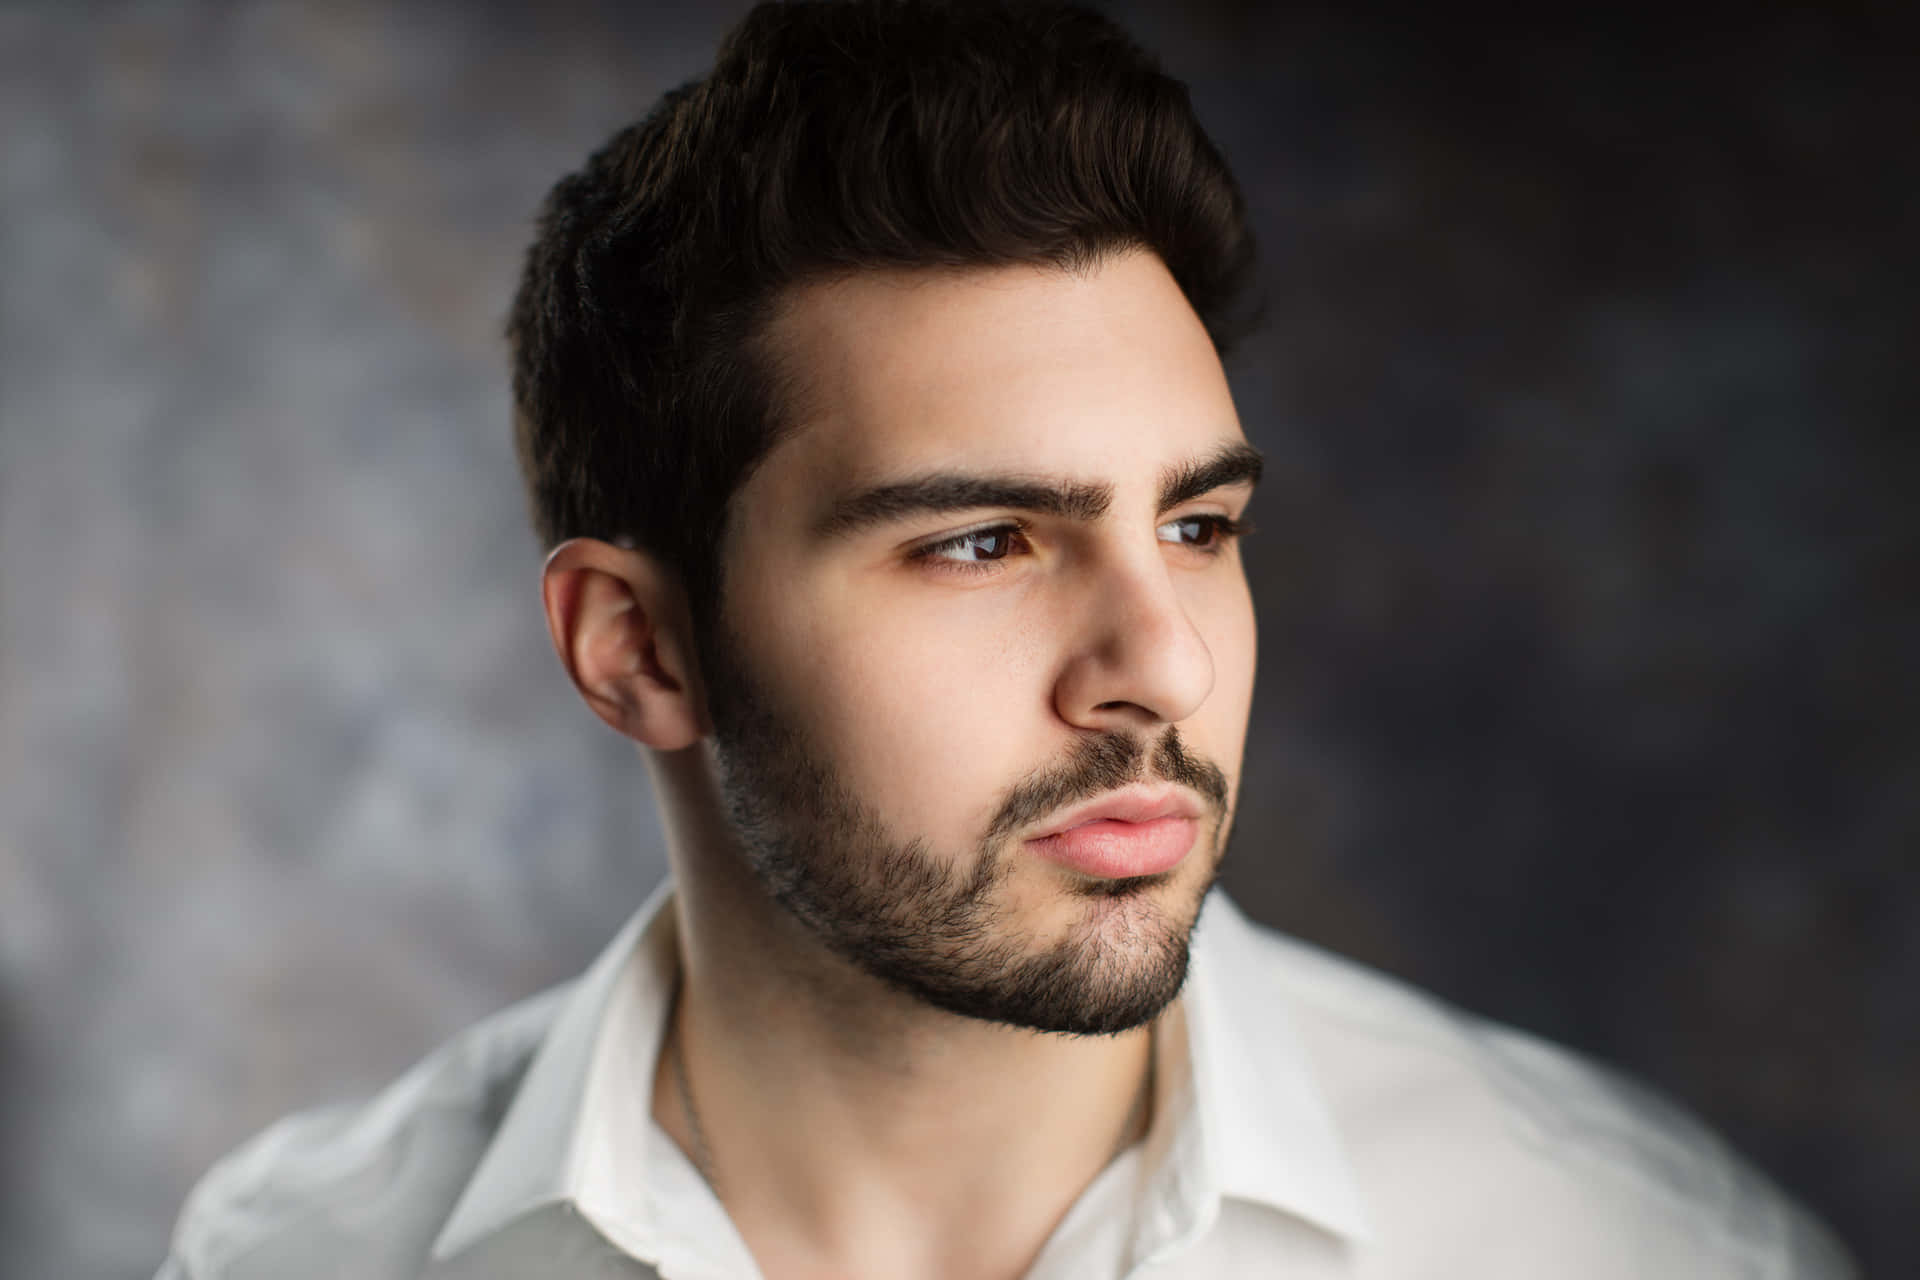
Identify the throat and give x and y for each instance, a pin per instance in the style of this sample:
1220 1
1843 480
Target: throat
827 1163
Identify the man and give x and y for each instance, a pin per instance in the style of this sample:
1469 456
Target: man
871 403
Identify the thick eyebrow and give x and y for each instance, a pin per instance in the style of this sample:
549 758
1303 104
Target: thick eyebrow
1236 463
943 492
948 491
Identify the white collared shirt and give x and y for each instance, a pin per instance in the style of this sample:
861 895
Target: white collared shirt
1311 1118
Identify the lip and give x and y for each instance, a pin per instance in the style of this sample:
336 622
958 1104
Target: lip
1133 804
1126 834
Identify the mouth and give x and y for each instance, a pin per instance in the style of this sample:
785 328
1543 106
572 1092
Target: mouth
1135 832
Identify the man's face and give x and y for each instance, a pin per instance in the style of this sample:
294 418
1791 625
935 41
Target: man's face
988 590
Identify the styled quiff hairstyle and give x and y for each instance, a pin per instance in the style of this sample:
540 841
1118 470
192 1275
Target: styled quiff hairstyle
829 138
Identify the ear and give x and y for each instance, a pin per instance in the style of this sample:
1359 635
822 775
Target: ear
620 623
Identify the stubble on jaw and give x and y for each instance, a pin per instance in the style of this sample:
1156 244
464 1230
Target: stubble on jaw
931 929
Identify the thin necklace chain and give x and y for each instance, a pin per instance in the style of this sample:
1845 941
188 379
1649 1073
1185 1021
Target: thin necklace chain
703 1154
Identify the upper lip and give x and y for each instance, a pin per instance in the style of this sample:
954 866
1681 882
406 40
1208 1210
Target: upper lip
1131 804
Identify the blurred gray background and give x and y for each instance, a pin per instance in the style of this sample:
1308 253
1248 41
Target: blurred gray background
1588 565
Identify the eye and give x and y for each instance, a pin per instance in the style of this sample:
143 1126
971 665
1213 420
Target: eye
976 546
1203 533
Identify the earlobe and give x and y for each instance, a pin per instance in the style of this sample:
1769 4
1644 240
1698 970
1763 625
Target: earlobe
620 625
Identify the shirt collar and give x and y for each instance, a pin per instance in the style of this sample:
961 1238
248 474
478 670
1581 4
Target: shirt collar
1264 1123
1240 1114
535 1157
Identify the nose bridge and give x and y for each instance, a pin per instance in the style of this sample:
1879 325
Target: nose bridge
1140 650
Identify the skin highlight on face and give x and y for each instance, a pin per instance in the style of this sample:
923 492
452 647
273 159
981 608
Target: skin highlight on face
993 573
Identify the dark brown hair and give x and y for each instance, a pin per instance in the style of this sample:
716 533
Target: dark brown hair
828 138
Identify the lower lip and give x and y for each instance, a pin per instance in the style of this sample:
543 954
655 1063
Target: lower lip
1117 850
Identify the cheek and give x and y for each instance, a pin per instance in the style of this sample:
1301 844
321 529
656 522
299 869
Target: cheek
1228 625
1240 646
929 714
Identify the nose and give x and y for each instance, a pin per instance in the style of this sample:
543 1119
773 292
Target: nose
1138 661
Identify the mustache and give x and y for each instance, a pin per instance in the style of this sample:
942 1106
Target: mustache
1105 763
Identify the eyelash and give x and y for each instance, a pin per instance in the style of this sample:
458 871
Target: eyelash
1225 529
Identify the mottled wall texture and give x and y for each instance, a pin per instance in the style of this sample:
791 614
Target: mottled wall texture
1588 563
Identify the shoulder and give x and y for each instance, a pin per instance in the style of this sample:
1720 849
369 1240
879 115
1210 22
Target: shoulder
360 1188
1461 1130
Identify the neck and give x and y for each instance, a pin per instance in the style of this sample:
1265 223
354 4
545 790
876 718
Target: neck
851 1129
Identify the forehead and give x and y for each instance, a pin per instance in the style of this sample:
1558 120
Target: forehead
1097 374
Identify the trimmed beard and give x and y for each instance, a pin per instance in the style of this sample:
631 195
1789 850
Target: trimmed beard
933 930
